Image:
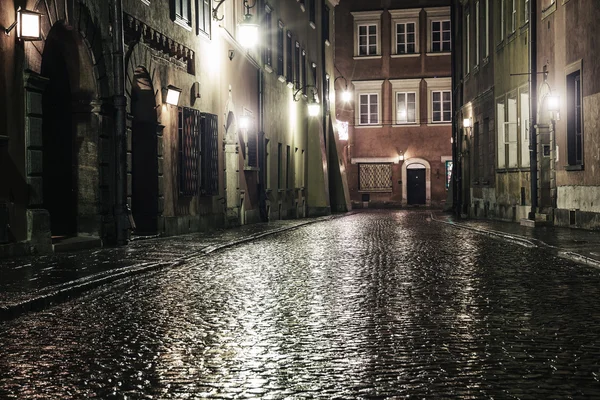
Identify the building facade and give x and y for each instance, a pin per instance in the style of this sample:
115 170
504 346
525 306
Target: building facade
538 119
396 59
93 148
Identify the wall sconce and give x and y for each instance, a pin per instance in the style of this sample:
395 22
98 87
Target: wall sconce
172 95
313 106
468 125
553 103
28 25
346 95
247 29
400 156
244 122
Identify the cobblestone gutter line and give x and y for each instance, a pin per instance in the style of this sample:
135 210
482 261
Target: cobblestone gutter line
526 242
63 292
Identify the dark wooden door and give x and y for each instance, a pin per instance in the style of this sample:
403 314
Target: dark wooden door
415 186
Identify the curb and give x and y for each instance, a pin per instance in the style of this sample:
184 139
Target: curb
66 291
526 242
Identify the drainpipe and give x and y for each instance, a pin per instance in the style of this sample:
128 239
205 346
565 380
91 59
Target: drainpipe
120 104
533 106
457 99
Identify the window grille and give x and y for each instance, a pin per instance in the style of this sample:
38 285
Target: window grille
210 154
188 130
375 177
252 149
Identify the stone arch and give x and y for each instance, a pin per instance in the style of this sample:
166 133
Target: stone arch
407 165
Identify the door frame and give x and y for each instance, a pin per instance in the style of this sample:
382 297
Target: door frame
420 163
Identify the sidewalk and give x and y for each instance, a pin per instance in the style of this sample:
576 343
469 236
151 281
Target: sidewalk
32 283
578 245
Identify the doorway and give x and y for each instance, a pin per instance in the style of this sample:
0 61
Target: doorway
144 155
416 186
59 164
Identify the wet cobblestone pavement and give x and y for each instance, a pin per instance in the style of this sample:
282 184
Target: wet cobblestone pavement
372 305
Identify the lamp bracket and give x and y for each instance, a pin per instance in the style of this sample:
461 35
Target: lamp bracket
305 87
215 10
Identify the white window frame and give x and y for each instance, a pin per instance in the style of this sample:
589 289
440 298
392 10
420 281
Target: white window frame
486 30
438 85
404 17
500 133
513 17
406 86
437 14
502 21
524 126
369 104
364 88
367 18
477 32
467 42
526 13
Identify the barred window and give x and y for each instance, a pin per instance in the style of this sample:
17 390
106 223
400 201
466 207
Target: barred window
375 177
188 130
209 153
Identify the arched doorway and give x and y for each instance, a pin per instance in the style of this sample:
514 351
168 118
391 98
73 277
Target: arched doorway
58 138
144 157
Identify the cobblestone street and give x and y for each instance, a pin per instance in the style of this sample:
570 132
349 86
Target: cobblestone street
386 304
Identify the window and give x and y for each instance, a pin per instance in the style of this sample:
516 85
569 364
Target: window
209 153
288 161
367 95
375 177
439 100
440 36
486 29
288 61
405 30
513 16
325 24
502 21
203 17
312 12
467 43
500 116
366 31
183 13
188 127
367 40
448 164
574 120
406 101
269 39
477 33
280 49
369 109
524 131
268 163
507 133
304 83
280 166
297 59
526 10
405 107
405 38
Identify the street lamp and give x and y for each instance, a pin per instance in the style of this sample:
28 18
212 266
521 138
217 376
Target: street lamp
553 103
346 95
28 25
467 125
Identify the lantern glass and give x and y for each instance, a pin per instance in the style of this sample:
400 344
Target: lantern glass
173 95
553 103
467 123
346 95
248 32
29 25
313 109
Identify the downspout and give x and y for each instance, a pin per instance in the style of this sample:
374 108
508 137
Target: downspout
533 106
457 98
120 103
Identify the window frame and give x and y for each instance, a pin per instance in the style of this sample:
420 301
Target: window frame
574 134
204 18
441 15
410 16
406 86
367 18
185 21
363 88
441 85
268 52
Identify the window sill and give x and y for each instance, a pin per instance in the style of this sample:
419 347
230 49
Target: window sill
246 168
302 7
406 55
281 78
511 36
386 190
445 123
549 10
146 2
327 42
438 53
512 169
406 125
183 23
312 25
367 126
367 57
578 167
485 61
268 68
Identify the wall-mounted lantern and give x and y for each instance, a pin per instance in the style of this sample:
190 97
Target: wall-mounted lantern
247 29
172 95
553 103
467 125
28 24
313 105
346 94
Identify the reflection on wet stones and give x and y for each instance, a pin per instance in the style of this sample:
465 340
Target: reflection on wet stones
377 304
